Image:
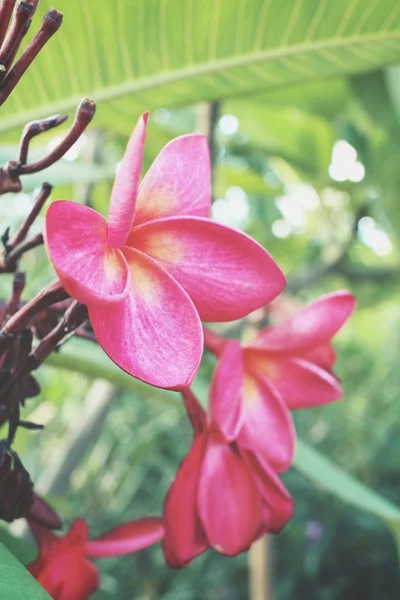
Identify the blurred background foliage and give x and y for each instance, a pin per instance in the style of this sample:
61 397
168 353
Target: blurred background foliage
302 109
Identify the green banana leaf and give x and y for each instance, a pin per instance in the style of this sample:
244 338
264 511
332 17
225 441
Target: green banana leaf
16 582
133 55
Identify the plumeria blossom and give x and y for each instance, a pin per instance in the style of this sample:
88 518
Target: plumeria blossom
288 367
63 567
224 496
160 264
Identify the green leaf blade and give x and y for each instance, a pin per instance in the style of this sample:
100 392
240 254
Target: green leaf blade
153 53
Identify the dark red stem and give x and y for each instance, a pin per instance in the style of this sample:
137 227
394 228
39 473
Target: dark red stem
36 128
6 9
14 36
50 24
84 115
37 207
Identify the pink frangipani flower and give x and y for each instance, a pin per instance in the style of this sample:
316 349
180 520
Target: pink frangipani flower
63 567
160 264
288 367
223 496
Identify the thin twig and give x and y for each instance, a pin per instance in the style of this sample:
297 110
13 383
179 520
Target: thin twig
53 292
13 39
50 24
6 9
30 219
36 128
84 114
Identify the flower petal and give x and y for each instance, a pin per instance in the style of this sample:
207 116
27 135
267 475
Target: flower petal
279 502
184 536
226 391
76 239
229 502
302 384
314 325
44 515
323 356
67 576
178 182
268 428
126 186
45 539
214 342
155 333
225 272
126 538
195 411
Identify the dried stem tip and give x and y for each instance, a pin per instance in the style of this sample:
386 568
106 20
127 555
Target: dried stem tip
84 115
35 128
14 36
50 24
6 10
36 208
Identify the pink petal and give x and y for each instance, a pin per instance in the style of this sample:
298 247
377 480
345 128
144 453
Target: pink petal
226 391
224 271
178 182
279 502
76 239
314 325
126 186
195 411
303 384
213 342
268 428
44 538
184 536
155 333
44 515
126 538
323 356
67 576
229 502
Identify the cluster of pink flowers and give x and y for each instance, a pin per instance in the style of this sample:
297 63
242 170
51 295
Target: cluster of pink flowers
149 277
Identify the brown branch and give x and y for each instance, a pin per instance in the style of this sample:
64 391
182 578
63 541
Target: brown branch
84 114
53 292
36 128
30 219
74 317
50 24
14 36
12 259
6 9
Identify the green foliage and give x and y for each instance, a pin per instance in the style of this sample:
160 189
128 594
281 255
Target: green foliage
156 53
15 582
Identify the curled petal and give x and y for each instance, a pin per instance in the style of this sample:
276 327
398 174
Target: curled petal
323 356
44 515
195 411
268 428
213 342
126 538
225 272
279 502
178 182
126 186
76 239
303 384
45 539
229 502
67 576
184 536
154 333
312 326
226 391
